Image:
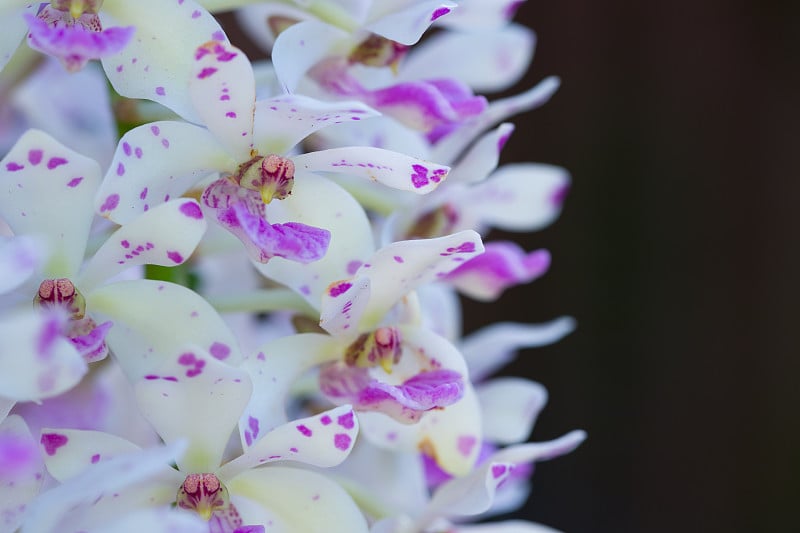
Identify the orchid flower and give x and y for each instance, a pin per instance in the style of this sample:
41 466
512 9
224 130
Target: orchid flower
243 140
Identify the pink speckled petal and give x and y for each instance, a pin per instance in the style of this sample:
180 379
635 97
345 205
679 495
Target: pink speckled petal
75 44
195 397
510 406
21 471
13 27
322 440
166 235
300 47
498 59
407 25
20 257
400 267
504 264
392 169
46 189
157 63
282 122
67 452
351 235
474 493
156 162
482 158
296 500
222 89
492 347
405 402
344 305
92 346
154 319
520 197
36 360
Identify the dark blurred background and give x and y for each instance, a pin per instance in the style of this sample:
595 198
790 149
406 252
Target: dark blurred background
678 254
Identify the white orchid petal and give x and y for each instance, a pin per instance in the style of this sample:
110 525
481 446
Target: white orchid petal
222 88
274 369
508 526
479 14
494 346
166 236
21 471
482 157
407 25
48 190
284 121
318 202
497 59
156 162
163 519
153 320
20 257
509 407
36 360
13 27
301 46
296 501
323 440
195 397
392 169
68 452
158 61
397 269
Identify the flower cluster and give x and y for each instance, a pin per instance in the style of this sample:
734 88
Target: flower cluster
230 288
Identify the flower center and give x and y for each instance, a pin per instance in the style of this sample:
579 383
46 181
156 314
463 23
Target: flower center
272 176
61 293
204 494
76 8
381 347
434 223
378 51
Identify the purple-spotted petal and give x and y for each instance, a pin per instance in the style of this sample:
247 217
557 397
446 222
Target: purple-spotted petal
166 235
92 346
74 43
407 25
156 162
504 264
157 63
300 47
509 408
284 121
68 452
494 346
405 402
392 169
47 190
36 360
323 440
21 471
222 89
195 397
152 322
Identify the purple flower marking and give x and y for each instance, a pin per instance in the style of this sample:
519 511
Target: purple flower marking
53 441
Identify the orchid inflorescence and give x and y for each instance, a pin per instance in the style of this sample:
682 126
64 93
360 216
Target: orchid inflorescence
231 287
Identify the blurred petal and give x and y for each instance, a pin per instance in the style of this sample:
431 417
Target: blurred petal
509 407
68 452
300 47
20 257
166 236
13 28
21 471
47 190
296 501
157 520
407 25
197 398
153 320
482 157
509 526
156 162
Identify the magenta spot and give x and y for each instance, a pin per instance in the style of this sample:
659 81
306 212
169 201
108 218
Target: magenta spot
95 458
125 244
111 202
56 162
220 351
156 130
224 97
74 182
442 11
218 36
230 114
325 420
186 359
559 195
353 266
119 68
151 377
171 378
501 142
195 14
398 259
420 176
160 91
346 420
206 72
342 441
175 257
191 210
120 169
35 157
126 148
305 289
498 470
339 288
13 167
52 442
304 430
465 444
138 153
293 449
143 194
165 143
